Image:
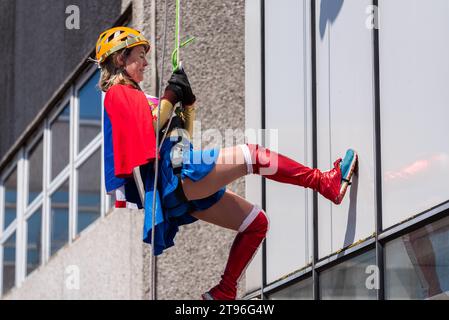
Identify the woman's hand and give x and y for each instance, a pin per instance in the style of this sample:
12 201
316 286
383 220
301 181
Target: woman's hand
179 89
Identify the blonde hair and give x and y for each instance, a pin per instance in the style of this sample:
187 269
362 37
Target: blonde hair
112 73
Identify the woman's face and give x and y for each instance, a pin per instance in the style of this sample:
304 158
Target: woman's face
136 62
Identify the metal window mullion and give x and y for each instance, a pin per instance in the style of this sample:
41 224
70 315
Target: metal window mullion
1 269
64 175
378 158
419 221
22 183
2 208
74 206
308 127
104 196
263 125
315 275
2 211
297 277
45 223
59 181
73 151
32 208
87 152
322 265
80 160
9 231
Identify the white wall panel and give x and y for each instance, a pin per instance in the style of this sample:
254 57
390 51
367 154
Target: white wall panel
288 111
253 94
345 115
414 71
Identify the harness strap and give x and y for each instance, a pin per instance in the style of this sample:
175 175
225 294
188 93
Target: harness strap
179 191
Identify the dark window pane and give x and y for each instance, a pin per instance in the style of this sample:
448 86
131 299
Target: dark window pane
356 278
35 171
10 199
60 218
417 264
9 263
34 241
60 142
302 290
89 191
89 111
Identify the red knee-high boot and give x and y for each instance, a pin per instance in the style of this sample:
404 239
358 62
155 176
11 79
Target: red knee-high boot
244 247
280 168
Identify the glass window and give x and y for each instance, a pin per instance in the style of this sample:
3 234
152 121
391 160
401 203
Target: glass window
89 191
34 241
417 264
60 142
89 111
9 263
35 164
302 290
10 199
352 279
59 218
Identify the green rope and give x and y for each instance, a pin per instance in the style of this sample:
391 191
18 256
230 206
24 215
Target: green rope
175 54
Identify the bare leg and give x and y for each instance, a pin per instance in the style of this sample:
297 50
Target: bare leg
230 166
228 213
235 162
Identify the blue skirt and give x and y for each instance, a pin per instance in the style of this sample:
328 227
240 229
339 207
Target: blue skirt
171 210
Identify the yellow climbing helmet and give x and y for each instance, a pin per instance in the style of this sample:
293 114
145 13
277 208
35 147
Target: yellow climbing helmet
115 39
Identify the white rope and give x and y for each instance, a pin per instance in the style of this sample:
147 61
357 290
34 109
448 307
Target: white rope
156 168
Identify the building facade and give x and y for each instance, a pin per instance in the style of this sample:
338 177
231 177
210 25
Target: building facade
328 75
307 78
60 236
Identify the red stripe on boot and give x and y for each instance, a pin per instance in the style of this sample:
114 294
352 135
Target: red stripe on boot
120 204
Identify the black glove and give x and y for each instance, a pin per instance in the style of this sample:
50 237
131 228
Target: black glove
179 86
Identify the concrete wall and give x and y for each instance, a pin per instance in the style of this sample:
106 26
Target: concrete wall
108 256
215 64
7 75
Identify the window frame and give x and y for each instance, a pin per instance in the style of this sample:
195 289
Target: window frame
66 101
32 143
79 157
16 225
381 235
69 175
4 176
30 209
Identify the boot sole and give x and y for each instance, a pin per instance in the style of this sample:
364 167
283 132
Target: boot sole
207 296
345 185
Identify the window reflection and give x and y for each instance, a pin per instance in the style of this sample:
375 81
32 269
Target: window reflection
89 191
417 264
34 241
9 263
60 142
35 163
89 111
351 279
59 218
302 290
10 199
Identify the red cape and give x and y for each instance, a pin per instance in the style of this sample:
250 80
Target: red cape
133 138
